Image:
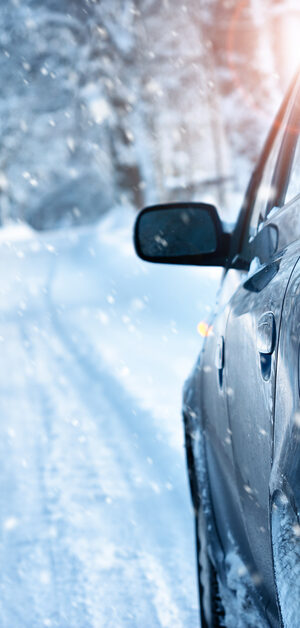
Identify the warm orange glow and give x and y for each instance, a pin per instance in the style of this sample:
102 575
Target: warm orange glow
290 50
286 25
204 329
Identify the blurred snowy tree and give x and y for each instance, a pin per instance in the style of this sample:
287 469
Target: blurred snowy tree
188 131
132 100
101 103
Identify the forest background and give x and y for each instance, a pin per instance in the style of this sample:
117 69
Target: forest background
136 101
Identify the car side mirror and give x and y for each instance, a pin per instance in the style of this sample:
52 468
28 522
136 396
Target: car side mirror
181 233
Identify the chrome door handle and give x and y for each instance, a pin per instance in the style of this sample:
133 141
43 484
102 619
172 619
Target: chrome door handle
219 359
266 334
266 338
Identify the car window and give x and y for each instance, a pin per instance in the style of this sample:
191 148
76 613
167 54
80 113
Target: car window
293 188
293 180
271 190
266 192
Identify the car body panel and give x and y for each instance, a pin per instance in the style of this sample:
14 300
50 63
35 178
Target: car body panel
236 401
286 464
213 409
250 387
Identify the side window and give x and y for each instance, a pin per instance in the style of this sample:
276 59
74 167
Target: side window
293 185
266 192
288 166
280 179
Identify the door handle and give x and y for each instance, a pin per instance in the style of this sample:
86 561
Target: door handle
219 359
266 337
266 334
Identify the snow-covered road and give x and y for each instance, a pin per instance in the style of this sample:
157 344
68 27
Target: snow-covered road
96 525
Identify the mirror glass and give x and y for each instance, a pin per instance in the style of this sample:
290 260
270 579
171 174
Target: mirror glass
176 232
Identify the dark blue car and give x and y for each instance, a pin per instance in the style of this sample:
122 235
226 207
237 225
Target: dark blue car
241 403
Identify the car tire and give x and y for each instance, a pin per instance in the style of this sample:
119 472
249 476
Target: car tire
211 608
286 557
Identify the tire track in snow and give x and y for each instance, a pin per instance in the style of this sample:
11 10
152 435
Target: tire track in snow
85 504
167 612
68 606
126 428
25 558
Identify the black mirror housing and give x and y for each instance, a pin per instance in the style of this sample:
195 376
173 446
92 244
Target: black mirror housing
182 233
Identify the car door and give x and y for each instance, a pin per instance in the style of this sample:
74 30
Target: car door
211 379
251 341
213 386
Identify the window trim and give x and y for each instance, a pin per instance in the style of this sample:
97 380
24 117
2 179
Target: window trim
241 246
287 154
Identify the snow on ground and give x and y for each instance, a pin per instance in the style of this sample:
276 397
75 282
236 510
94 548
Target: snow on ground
96 526
286 542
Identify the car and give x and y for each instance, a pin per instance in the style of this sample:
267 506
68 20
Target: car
241 403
